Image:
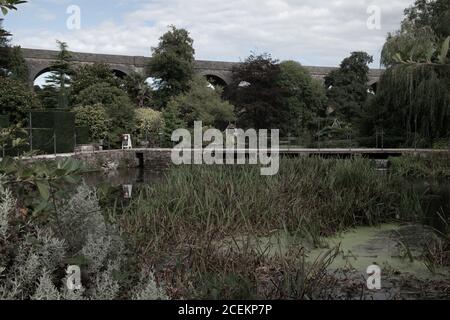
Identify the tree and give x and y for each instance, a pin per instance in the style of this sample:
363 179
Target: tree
120 109
433 14
203 103
347 88
414 93
16 99
88 75
122 117
4 48
409 44
12 63
48 96
6 5
255 93
103 93
95 118
172 65
18 69
138 89
423 30
149 124
61 74
172 121
302 99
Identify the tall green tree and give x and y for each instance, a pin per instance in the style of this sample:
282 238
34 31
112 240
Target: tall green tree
255 93
347 88
414 93
172 65
48 95
138 90
302 100
60 76
88 75
172 120
434 14
4 50
423 30
118 106
203 103
17 65
12 63
16 99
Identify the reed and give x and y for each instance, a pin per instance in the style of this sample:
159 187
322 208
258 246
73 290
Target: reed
179 225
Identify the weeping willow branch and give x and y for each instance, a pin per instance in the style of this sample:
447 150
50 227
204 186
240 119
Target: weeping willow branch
416 96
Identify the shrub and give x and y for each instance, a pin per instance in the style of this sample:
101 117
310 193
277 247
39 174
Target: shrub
95 118
203 103
34 256
148 124
16 99
118 106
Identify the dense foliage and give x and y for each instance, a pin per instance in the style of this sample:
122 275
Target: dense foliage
254 92
16 99
120 110
149 124
88 75
203 103
269 94
414 95
12 63
172 65
95 117
138 89
347 87
302 100
60 76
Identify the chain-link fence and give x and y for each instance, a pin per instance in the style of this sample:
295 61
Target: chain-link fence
45 132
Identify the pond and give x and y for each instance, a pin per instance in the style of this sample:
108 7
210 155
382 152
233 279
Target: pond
396 247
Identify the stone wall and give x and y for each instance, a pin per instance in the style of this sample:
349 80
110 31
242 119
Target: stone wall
152 159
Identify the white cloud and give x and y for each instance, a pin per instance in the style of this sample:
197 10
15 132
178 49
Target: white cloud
314 32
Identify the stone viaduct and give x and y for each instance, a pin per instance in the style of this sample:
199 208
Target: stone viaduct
40 61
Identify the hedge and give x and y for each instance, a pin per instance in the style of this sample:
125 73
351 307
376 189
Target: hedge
4 121
49 124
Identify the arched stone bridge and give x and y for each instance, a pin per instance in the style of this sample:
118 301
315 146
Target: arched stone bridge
40 61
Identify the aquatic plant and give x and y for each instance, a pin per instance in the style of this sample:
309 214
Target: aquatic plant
180 225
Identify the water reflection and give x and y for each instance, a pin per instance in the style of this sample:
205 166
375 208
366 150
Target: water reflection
127 191
123 177
119 187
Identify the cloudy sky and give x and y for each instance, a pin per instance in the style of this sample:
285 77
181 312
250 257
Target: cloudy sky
313 32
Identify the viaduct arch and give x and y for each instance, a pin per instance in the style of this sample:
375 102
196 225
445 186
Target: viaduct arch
217 72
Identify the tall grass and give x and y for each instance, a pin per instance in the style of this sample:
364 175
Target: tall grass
435 167
314 197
